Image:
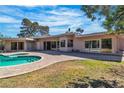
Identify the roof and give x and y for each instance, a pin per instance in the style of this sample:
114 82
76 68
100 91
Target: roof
91 34
28 39
52 36
57 36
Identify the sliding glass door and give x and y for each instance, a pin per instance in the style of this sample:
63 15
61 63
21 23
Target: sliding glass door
20 45
13 45
17 45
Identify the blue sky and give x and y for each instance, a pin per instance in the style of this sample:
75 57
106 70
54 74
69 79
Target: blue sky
58 18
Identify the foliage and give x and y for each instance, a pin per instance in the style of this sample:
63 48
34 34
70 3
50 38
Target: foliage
113 16
79 31
30 29
1 35
1 42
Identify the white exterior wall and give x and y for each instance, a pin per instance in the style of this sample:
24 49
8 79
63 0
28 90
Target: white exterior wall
114 44
78 44
25 45
39 45
7 46
31 45
120 43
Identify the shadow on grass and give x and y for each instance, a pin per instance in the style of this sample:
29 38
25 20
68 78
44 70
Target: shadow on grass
86 82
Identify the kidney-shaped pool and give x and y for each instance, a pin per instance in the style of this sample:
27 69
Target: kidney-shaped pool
13 60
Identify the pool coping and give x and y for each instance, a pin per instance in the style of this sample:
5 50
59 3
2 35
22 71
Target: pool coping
48 59
24 63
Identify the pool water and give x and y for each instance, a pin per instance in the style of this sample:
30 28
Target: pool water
16 60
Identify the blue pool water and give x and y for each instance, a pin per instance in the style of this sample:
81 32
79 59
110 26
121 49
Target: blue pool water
16 60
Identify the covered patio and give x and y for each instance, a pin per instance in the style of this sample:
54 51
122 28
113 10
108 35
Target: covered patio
16 44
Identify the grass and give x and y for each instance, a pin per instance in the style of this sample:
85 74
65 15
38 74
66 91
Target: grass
60 74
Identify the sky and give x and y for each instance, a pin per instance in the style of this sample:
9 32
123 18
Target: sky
58 18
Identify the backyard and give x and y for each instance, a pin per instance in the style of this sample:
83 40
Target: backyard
76 73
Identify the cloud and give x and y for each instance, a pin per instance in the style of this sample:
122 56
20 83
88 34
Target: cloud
55 30
11 29
93 27
58 18
7 19
11 11
64 11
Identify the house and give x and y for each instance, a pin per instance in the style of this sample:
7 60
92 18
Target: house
95 42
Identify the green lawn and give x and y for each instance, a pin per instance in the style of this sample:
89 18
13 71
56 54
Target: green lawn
60 74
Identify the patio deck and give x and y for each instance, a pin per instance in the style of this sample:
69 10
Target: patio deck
51 57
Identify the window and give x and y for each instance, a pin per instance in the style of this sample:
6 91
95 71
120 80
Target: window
95 44
63 43
70 43
92 44
14 46
107 43
87 44
21 45
53 44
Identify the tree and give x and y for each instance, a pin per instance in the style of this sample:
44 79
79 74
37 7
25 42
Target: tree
113 15
79 31
43 29
1 42
1 35
68 31
30 29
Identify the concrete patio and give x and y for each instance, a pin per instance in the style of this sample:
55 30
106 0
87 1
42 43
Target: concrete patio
48 59
51 57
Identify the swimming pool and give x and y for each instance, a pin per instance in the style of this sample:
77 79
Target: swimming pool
17 60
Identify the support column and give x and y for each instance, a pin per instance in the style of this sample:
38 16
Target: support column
66 44
100 45
25 46
114 45
17 46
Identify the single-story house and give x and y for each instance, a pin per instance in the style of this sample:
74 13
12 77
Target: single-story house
95 42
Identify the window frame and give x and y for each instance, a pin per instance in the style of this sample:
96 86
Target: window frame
14 47
109 43
89 44
62 43
70 43
53 44
97 44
